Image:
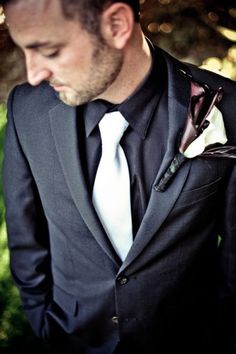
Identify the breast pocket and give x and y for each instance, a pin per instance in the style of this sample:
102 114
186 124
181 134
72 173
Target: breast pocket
196 195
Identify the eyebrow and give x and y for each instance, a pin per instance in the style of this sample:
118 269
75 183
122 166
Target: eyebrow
36 45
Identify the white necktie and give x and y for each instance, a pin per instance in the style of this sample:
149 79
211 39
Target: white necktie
111 191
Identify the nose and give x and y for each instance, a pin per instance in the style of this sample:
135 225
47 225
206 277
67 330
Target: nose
36 69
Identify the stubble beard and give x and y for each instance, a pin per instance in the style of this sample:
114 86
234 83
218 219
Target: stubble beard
105 66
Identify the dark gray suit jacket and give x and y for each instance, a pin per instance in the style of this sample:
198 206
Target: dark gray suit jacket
176 289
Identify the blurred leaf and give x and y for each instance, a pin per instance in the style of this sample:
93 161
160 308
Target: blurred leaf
228 33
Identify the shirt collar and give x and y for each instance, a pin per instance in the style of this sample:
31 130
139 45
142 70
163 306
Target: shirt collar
139 107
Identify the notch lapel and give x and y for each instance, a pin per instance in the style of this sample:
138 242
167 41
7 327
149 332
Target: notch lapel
161 203
63 120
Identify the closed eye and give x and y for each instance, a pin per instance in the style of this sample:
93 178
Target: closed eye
51 55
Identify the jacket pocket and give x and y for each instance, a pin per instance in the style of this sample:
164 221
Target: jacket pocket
197 194
65 300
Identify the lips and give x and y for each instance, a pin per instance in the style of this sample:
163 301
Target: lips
59 88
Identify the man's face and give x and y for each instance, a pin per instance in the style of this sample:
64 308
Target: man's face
78 65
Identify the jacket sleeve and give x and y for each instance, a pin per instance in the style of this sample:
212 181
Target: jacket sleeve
28 237
227 265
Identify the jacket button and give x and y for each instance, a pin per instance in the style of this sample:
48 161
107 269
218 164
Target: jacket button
122 280
115 319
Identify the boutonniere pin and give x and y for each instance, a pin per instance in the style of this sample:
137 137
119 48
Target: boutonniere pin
204 129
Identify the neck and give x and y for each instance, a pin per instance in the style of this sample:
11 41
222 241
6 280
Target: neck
136 65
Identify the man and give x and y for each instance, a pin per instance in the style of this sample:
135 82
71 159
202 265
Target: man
152 279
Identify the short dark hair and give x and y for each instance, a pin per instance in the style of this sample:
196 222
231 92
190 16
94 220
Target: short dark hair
89 11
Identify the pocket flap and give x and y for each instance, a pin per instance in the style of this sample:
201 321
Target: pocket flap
195 195
65 300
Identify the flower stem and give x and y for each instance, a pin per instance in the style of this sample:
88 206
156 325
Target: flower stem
177 161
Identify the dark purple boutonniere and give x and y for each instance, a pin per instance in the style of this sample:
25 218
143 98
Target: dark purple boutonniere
203 129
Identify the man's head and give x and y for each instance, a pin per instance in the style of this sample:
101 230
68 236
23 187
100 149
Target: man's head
88 11
77 46
80 55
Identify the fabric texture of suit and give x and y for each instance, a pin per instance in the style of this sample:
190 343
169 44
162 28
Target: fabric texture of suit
176 290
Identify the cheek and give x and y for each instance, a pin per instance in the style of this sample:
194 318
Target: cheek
76 58
73 66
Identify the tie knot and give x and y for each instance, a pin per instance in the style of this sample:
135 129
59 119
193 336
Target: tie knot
112 126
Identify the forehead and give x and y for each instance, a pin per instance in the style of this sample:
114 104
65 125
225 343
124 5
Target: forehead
33 10
37 18
31 7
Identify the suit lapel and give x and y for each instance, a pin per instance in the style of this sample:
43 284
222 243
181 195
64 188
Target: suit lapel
64 129
161 203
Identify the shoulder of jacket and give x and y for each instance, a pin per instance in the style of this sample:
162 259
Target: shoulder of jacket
26 98
215 80
188 70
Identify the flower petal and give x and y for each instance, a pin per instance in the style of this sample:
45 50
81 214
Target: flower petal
214 133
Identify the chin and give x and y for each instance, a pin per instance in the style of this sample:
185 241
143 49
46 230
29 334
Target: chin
70 99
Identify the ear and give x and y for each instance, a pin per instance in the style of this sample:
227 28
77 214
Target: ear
117 23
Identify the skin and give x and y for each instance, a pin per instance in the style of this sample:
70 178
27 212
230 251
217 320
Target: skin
79 65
